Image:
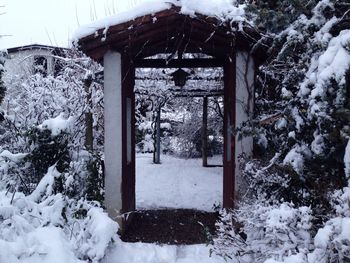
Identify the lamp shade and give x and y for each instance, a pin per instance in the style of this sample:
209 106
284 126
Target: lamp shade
180 77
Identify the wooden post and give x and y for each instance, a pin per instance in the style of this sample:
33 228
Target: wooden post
204 132
229 127
128 135
157 156
89 138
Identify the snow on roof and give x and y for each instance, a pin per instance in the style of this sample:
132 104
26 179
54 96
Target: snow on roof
34 46
221 9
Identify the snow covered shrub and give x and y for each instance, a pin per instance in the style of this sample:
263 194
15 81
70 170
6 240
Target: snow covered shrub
332 241
147 106
46 227
302 128
302 104
47 150
263 181
32 99
11 170
45 118
259 231
94 189
145 131
46 174
97 231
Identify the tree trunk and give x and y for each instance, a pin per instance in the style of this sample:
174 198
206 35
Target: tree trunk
157 159
89 137
204 132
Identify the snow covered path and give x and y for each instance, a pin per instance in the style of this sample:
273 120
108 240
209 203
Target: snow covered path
177 183
151 253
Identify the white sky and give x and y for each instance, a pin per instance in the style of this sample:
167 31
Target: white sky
51 22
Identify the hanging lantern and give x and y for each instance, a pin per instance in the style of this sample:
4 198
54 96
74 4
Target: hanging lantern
180 77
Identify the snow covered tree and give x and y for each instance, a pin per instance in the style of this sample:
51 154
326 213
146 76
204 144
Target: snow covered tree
306 82
275 16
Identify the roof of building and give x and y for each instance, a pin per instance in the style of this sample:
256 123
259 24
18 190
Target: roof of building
169 27
36 47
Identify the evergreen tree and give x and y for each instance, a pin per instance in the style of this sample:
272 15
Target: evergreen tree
274 16
306 102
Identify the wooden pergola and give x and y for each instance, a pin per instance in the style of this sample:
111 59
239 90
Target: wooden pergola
131 44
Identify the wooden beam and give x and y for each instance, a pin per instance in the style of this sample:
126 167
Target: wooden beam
179 63
198 95
193 94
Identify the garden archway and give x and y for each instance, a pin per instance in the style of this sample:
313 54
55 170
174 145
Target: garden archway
130 43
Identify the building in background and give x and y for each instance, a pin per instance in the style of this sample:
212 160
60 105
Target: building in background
31 59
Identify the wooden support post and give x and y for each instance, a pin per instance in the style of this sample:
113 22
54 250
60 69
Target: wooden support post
229 127
157 156
205 132
89 138
128 135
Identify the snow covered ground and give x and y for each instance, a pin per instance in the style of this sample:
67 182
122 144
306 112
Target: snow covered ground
177 183
152 253
43 227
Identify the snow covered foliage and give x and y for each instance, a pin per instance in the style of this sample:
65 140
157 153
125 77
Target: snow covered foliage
332 241
44 117
48 211
268 232
33 99
305 85
301 175
52 228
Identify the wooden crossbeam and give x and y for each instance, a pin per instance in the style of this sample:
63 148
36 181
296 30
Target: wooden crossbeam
179 63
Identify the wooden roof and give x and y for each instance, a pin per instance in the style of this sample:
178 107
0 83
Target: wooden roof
169 31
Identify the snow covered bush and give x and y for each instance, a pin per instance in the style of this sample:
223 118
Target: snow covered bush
332 241
32 99
48 227
302 129
48 212
257 232
302 105
94 189
45 118
47 150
